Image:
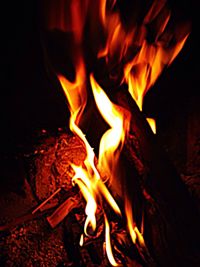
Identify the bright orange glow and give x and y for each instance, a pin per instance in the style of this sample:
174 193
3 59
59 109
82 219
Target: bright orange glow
152 124
146 67
75 92
103 10
178 48
133 230
130 221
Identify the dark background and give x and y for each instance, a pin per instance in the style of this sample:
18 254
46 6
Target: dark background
30 101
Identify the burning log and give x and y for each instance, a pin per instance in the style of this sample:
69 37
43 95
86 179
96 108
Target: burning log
159 225
171 220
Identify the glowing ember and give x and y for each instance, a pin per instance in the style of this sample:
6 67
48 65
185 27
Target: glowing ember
111 40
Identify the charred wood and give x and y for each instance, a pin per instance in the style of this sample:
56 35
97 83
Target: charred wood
171 218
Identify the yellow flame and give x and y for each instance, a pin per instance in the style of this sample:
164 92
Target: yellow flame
152 124
108 244
87 191
105 192
81 240
92 188
139 237
112 141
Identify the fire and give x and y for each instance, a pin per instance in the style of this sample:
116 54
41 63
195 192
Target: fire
87 177
133 230
108 244
139 63
112 141
152 124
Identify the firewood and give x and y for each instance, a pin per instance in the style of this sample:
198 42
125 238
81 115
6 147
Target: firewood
72 233
23 219
52 164
41 206
171 218
62 211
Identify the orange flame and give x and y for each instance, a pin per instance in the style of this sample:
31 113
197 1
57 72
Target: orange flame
146 67
133 230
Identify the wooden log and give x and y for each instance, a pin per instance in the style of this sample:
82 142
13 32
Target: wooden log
171 218
62 211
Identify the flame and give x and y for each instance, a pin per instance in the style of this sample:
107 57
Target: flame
133 230
112 141
82 180
92 189
138 62
108 244
146 67
81 240
152 124
88 178
75 92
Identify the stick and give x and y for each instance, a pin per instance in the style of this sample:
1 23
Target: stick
46 200
62 211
